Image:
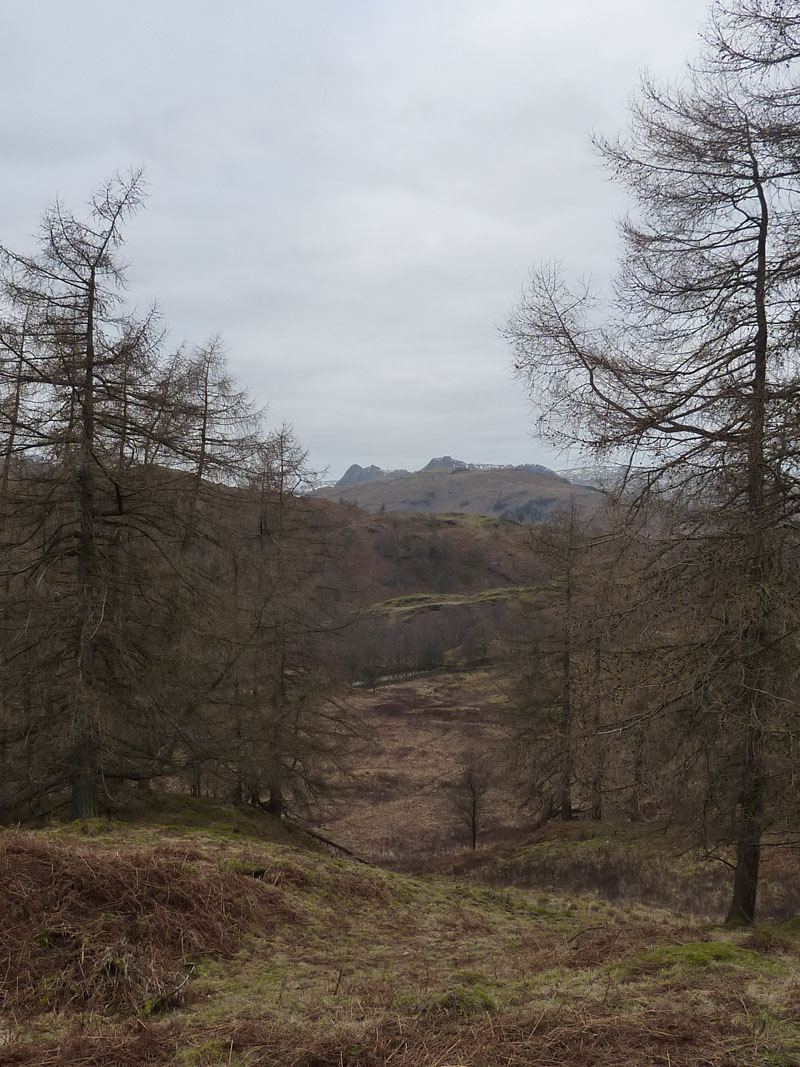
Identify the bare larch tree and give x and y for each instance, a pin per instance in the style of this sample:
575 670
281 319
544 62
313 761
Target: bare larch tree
693 375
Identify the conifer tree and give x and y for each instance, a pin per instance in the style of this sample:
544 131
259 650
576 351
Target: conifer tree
693 377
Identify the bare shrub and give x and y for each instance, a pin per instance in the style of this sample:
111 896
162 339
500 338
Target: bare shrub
115 931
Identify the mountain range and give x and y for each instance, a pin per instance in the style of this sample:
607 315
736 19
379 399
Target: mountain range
526 492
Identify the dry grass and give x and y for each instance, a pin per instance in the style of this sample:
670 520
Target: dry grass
308 961
114 930
635 862
397 803
113 1049
552 1038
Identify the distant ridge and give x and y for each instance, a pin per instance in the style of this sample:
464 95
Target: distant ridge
609 476
524 492
355 474
446 463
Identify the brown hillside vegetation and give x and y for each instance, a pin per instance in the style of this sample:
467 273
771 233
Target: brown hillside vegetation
377 556
84 927
293 958
649 863
396 806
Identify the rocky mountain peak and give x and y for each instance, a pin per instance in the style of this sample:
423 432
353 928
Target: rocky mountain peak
446 463
356 474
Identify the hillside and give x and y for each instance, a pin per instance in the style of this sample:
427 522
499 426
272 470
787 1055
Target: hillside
508 492
128 946
395 804
420 591
378 556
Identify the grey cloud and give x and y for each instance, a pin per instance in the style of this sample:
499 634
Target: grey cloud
351 193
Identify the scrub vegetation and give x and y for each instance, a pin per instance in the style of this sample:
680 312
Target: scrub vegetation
130 944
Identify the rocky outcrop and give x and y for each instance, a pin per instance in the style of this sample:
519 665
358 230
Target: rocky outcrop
355 475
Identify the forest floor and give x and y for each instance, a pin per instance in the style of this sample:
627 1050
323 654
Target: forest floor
213 936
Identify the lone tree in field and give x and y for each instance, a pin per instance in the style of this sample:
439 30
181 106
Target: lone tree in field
470 793
694 378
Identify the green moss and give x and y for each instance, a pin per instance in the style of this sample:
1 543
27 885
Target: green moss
699 956
473 999
211 1052
161 1003
95 827
473 979
237 865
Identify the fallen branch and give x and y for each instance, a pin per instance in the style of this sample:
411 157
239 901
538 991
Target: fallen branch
332 844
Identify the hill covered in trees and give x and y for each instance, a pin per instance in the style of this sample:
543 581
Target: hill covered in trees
159 609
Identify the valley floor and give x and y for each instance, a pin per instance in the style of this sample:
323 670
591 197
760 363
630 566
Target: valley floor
395 804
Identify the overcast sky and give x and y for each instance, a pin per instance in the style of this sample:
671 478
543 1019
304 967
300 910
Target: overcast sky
351 192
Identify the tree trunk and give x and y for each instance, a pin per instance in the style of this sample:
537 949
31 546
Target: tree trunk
83 797
274 804
84 800
751 796
748 838
638 775
195 783
596 803
567 759
598 760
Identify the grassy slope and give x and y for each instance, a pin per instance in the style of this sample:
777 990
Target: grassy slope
194 945
630 861
412 603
